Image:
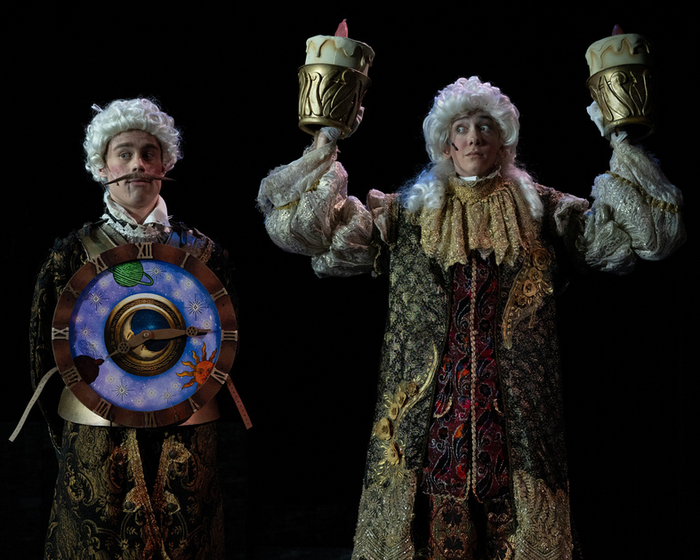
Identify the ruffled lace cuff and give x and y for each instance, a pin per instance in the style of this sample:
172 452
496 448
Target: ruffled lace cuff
635 213
307 211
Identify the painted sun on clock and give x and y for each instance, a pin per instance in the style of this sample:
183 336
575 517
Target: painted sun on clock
144 335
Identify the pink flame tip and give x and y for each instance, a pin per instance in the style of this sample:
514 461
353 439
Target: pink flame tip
342 30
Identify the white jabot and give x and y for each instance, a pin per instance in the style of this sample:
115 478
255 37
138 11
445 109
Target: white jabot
156 224
159 215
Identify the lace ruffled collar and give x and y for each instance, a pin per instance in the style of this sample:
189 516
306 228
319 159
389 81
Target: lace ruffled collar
488 215
156 224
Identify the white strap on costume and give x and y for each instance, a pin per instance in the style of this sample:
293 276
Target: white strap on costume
32 402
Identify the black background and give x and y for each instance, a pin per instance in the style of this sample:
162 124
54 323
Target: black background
309 348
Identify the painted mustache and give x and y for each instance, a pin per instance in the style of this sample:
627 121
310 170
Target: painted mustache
139 176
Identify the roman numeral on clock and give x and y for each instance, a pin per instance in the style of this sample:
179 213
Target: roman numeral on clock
71 376
145 250
220 376
59 334
100 265
103 408
229 336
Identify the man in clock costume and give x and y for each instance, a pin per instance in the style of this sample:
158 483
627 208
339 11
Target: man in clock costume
127 493
466 458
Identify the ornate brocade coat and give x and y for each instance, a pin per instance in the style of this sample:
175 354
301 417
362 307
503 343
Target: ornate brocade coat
124 493
635 214
528 369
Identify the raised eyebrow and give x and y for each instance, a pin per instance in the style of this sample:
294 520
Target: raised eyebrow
485 118
477 119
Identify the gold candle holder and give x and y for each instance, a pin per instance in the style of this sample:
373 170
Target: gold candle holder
620 83
333 82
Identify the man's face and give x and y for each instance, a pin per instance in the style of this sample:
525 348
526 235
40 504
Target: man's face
475 144
138 152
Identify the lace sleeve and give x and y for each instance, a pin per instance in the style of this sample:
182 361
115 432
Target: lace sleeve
308 211
635 213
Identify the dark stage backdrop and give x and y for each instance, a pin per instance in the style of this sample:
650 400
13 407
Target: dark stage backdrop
309 348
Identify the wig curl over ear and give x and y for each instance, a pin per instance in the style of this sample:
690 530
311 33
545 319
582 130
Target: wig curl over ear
461 98
130 114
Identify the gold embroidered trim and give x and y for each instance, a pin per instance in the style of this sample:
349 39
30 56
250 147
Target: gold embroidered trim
452 530
287 206
386 429
469 192
490 216
173 451
544 528
384 522
138 496
530 287
314 186
648 199
471 481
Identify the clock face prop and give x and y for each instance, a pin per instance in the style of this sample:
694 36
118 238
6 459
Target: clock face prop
144 335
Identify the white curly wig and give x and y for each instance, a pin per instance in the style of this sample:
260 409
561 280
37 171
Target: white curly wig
459 99
131 114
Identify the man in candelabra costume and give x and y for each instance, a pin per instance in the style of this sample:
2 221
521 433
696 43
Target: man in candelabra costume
127 492
467 459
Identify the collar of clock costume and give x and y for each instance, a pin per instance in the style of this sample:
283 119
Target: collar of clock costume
120 220
488 215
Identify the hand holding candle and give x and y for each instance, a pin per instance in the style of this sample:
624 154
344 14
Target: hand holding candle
620 82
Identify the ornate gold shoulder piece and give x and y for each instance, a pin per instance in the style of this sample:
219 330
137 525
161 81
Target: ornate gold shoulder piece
531 285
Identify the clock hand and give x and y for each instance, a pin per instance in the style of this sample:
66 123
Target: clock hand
157 334
164 334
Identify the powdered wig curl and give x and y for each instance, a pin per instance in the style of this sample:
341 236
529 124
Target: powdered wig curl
461 98
131 114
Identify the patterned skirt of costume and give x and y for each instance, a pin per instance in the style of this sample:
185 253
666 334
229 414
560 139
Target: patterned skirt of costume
126 494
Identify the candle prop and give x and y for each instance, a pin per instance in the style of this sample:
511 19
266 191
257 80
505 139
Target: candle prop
333 81
620 82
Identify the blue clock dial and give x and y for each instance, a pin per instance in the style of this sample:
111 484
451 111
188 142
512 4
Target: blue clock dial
145 341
